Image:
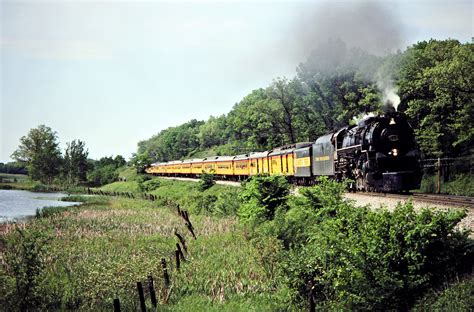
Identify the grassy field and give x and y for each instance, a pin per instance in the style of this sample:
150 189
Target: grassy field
97 252
14 181
12 178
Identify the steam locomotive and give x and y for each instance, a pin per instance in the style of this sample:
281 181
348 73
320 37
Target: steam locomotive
378 154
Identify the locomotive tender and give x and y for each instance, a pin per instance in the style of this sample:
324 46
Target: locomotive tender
378 154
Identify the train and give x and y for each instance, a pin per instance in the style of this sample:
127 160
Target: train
378 154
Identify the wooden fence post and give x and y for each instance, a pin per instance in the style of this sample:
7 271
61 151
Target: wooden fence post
439 176
311 303
178 262
180 252
166 276
182 240
141 296
151 288
116 305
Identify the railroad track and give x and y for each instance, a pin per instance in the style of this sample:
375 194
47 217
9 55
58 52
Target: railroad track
451 200
462 201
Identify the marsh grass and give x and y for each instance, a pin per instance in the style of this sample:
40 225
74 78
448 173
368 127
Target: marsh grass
101 249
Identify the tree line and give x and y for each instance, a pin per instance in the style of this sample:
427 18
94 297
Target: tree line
334 87
39 153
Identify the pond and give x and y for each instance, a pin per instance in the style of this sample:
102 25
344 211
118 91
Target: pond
15 204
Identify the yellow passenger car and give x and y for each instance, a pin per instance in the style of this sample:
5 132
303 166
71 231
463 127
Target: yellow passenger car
241 165
275 163
196 166
209 165
259 163
186 167
223 165
174 167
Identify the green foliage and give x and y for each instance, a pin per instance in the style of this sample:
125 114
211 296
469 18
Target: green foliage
47 212
13 168
262 196
206 181
102 249
25 262
436 82
39 150
105 170
141 161
357 258
148 184
462 184
172 143
324 198
75 164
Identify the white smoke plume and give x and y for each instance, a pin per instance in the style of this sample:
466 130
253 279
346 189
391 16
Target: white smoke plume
352 34
390 97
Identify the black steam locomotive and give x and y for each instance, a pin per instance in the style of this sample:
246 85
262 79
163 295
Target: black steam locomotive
378 154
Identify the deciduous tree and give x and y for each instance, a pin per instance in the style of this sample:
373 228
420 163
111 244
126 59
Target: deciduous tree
39 149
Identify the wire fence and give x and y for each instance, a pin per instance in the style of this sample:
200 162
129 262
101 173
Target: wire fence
452 175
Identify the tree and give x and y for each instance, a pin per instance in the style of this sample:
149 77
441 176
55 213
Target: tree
75 162
141 161
105 170
213 132
173 143
437 87
40 151
282 93
251 124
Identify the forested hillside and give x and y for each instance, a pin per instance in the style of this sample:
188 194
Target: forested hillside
333 88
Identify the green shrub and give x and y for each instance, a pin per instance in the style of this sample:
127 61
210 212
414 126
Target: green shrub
24 257
364 259
47 212
227 203
147 184
202 204
261 197
206 181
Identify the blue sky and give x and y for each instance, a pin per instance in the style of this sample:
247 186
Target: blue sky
113 73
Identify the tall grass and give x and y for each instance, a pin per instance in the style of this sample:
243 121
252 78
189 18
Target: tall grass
100 250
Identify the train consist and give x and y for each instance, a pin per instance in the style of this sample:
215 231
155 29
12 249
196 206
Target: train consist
378 154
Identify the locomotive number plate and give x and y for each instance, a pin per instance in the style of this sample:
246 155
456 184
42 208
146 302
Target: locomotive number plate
393 137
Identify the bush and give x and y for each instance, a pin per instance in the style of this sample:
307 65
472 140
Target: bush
25 262
227 203
147 184
47 212
261 197
207 181
364 259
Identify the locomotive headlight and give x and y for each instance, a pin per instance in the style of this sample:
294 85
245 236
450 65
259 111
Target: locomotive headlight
392 122
394 152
